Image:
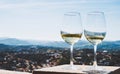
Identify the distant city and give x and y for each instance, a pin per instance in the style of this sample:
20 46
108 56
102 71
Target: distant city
23 55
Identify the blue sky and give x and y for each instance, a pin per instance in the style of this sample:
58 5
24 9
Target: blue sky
40 19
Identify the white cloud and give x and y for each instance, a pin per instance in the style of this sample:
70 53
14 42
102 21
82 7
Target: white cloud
32 4
40 3
58 3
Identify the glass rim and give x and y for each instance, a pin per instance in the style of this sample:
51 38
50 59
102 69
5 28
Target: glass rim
72 13
95 12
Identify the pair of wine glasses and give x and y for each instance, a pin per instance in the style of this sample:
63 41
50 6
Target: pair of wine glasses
94 31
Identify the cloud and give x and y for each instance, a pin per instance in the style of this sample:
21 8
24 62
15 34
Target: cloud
42 3
52 4
82 5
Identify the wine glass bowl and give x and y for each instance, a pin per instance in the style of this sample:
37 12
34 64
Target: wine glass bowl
94 37
71 38
71 31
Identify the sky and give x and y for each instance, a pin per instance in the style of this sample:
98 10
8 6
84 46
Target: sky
40 19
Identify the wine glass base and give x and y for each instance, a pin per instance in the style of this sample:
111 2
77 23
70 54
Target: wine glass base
96 70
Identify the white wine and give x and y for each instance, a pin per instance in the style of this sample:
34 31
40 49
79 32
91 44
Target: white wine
94 37
70 38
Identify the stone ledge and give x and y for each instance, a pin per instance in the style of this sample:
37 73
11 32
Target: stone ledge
61 69
12 72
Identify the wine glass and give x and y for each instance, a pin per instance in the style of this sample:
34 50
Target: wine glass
95 31
71 31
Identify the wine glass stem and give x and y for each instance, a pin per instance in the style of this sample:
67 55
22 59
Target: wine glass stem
95 56
71 55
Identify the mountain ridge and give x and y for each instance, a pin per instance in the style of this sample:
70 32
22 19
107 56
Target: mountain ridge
112 45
